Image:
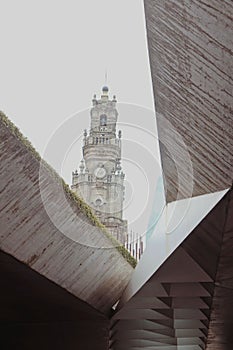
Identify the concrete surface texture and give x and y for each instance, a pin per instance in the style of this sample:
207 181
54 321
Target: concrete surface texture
42 226
190 48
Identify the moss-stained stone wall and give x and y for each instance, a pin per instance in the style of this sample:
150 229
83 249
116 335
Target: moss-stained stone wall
46 226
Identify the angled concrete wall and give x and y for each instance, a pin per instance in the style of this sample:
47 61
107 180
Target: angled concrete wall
42 226
191 53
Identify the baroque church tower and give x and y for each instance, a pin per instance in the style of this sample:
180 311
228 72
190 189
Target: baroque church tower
100 180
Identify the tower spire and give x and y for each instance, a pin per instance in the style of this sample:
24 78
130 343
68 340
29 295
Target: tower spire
106 77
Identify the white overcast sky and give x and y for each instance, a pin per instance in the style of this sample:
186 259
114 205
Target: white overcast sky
54 55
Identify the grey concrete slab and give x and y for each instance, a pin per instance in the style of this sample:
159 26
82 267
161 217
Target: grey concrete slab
44 227
190 47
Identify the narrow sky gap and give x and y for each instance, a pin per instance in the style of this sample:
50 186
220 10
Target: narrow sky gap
55 56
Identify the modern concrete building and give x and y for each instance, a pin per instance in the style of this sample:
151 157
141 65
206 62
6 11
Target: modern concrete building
180 295
58 291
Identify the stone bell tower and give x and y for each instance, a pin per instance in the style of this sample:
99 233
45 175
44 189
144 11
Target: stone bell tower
100 180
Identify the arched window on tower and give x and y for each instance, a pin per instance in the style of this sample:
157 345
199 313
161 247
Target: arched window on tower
103 120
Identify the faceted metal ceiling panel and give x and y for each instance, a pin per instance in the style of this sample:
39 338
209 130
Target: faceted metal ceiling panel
186 303
177 221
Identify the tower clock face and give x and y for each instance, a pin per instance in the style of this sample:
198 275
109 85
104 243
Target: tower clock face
100 172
